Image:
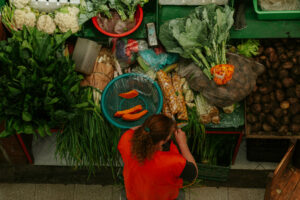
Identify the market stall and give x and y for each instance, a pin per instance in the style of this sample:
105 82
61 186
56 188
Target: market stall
88 70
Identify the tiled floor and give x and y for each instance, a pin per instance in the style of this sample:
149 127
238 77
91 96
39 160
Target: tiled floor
98 192
44 154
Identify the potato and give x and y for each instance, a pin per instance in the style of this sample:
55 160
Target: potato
285 105
255 88
259 81
294 108
267 108
256 127
249 100
267 127
296 70
290 54
278 113
288 82
276 65
256 98
251 118
291 92
273 57
294 59
269 50
272 73
280 49
266 89
283 57
262 58
268 64
293 100
296 119
278 84
262 117
256 108
280 95
285 120
272 121
283 73
295 128
287 65
283 129
273 96
298 91
260 50
266 99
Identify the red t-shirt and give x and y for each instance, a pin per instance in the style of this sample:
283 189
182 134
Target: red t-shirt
155 179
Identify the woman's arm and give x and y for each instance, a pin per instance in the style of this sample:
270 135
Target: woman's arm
185 151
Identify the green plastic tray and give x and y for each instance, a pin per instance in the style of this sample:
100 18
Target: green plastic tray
275 15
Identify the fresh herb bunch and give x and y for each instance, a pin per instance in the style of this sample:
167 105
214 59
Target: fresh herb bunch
38 84
89 140
201 36
249 48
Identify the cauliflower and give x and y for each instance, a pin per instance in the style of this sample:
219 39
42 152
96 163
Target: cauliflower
67 19
20 3
46 24
24 17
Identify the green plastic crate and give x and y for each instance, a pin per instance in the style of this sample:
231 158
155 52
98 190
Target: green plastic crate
213 172
275 15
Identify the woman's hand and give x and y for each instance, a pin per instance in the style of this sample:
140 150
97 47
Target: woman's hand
134 128
180 137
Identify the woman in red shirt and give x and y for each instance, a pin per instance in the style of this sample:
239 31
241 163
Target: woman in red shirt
153 167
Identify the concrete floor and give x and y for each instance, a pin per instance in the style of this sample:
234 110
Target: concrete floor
98 192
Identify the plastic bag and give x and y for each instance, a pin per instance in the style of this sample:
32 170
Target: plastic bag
157 60
240 86
279 4
103 71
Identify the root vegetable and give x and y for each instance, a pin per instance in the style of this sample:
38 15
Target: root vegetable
251 118
262 117
256 127
262 57
259 81
273 57
255 88
278 113
291 92
285 105
294 108
285 120
256 108
295 128
267 108
265 99
296 119
288 82
272 74
256 98
269 50
267 127
294 60
287 65
283 129
260 50
278 84
272 121
296 70
283 57
280 95
273 96
215 119
293 100
298 91
276 65
283 74
265 89
290 54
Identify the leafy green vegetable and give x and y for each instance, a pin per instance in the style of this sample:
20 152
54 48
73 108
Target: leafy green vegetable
248 48
38 85
89 140
201 36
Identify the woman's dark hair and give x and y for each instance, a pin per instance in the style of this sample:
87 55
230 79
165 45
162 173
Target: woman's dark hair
155 129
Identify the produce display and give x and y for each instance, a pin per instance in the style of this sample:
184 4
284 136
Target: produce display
18 14
273 108
41 89
201 36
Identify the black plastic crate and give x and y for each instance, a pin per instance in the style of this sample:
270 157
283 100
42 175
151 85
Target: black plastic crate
266 150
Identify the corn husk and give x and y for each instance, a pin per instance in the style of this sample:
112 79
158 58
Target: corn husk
166 109
168 90
182 114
